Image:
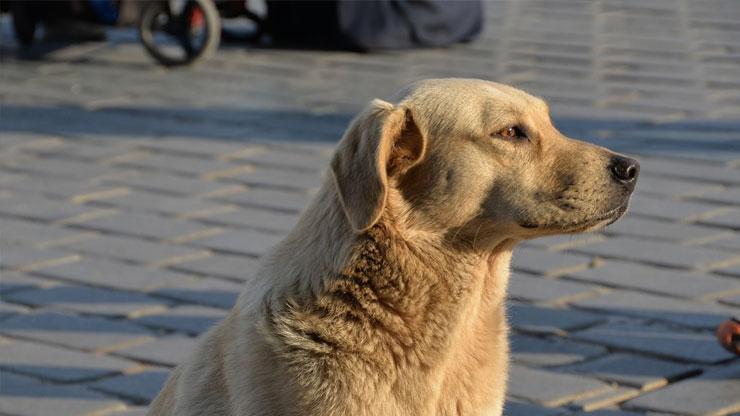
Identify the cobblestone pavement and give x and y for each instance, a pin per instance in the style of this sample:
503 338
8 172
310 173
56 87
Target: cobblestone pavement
135 200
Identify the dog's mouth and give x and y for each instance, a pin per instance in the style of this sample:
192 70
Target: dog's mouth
608 218
590 224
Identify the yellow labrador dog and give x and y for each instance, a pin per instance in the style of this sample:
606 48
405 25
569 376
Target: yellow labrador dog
387 298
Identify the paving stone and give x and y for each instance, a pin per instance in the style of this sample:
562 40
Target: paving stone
733 270
57 364
209 292
537 289
514 408
606 399
251 243
139 387
196 148
164 204
113 275
89 300
309 162
732 300
693 314
258 219
148 226
657 280
86 151
238 268
721 196
16 281
610 412
70 190
548 320
131 411
172 184
674 188
657 253
731 243
643 373
17 232
716 392
189 166
8 310
269 199
191 320
84 333
551 389
561 242
670 231
278 178
166 351
693 171
671 210
134 250
657 340
46 210
726 220
546 352
66 169
24 396
26 258
547 263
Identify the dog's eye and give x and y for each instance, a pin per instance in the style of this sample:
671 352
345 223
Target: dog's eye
512 132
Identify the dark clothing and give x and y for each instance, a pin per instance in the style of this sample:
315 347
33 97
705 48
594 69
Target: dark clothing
378 24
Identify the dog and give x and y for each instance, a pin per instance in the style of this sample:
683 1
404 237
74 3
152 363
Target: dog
387 298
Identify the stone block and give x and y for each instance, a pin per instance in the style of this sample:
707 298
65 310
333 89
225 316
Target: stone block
57 364
166 351
24 396
79 332
147 226
657 340
549 320
716 392
113 275
546 262
209 292
631 370
237 268
141 388
620 274
692 314
89 301
134 250
251 243
656 253
192 320
550 352
551 389
537 289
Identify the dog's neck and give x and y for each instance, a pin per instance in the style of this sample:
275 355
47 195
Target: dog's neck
422 292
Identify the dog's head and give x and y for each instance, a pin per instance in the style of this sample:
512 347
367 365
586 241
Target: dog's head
476 161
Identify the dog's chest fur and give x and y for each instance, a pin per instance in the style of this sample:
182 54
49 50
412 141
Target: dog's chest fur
422 328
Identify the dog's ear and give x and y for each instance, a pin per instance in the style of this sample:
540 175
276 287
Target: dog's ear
382 142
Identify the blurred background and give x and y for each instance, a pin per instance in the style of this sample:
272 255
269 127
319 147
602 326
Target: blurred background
151 152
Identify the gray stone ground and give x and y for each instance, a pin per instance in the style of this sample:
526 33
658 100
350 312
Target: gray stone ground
135 200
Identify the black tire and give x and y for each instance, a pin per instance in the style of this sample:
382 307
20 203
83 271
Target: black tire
156 10
24 21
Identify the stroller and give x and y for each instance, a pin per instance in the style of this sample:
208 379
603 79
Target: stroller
174 32
178 32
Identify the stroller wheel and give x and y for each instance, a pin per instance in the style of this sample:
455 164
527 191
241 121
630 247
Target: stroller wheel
180 37
24 21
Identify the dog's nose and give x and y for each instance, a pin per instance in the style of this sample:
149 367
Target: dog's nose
624 169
